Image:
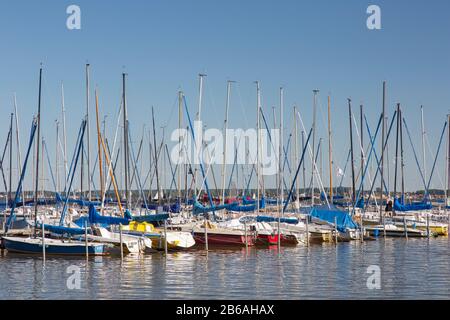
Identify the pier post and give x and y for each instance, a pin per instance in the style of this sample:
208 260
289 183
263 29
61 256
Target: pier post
121 241
206 235
86 239
362 229
335 230
43 241
384 226
165 237
245 232
405 226
428 226
307 231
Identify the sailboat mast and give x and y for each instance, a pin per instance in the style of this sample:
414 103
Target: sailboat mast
383 126
330 154
10 159
125 141
423 145
199 117
57 156
396 150
100 164
156 159
361 125
88 133
281 157
297 191
225 129
18 143
351 149
64 135
447 169
401 153
258 109
180 165
313 144
36 189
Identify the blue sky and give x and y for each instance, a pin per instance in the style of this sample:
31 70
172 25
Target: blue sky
163 45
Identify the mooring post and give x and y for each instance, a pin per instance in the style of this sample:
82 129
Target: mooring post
428 226
121 241
86 239
165 237
206 234
43 241
335 230
405 226
307 230
245 232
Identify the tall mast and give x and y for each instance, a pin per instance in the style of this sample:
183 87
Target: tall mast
447 158
383 126
258 109
88 133
423 145
36 189
156 159
351 149
396 150
361 115
402 163
281 154
10 159
100 164
199 117
303 164
180 165
18 143
125 141
57 156
296 151
64 134
313 144
330 155
225 128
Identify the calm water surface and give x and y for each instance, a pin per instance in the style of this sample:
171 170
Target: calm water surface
410 269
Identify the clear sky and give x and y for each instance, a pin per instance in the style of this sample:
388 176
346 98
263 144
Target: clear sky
164 44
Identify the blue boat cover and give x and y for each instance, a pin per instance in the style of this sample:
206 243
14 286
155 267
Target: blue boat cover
151 217
81 202
175 207
62 230
398 206
275 219
96 218
247 208
343 218
199 208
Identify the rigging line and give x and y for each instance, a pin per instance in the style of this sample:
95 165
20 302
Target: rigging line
108 176
49 164
435 159
438 174
414 152
315 171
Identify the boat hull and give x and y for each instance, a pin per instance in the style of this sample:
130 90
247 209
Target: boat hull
220 239
52 247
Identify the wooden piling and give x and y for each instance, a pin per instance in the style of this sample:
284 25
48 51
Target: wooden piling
335 230
165 237
43 241
121 242
405 226
86 239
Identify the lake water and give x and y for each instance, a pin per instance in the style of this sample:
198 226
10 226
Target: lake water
409 269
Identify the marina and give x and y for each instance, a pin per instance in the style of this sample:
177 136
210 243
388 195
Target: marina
150 158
